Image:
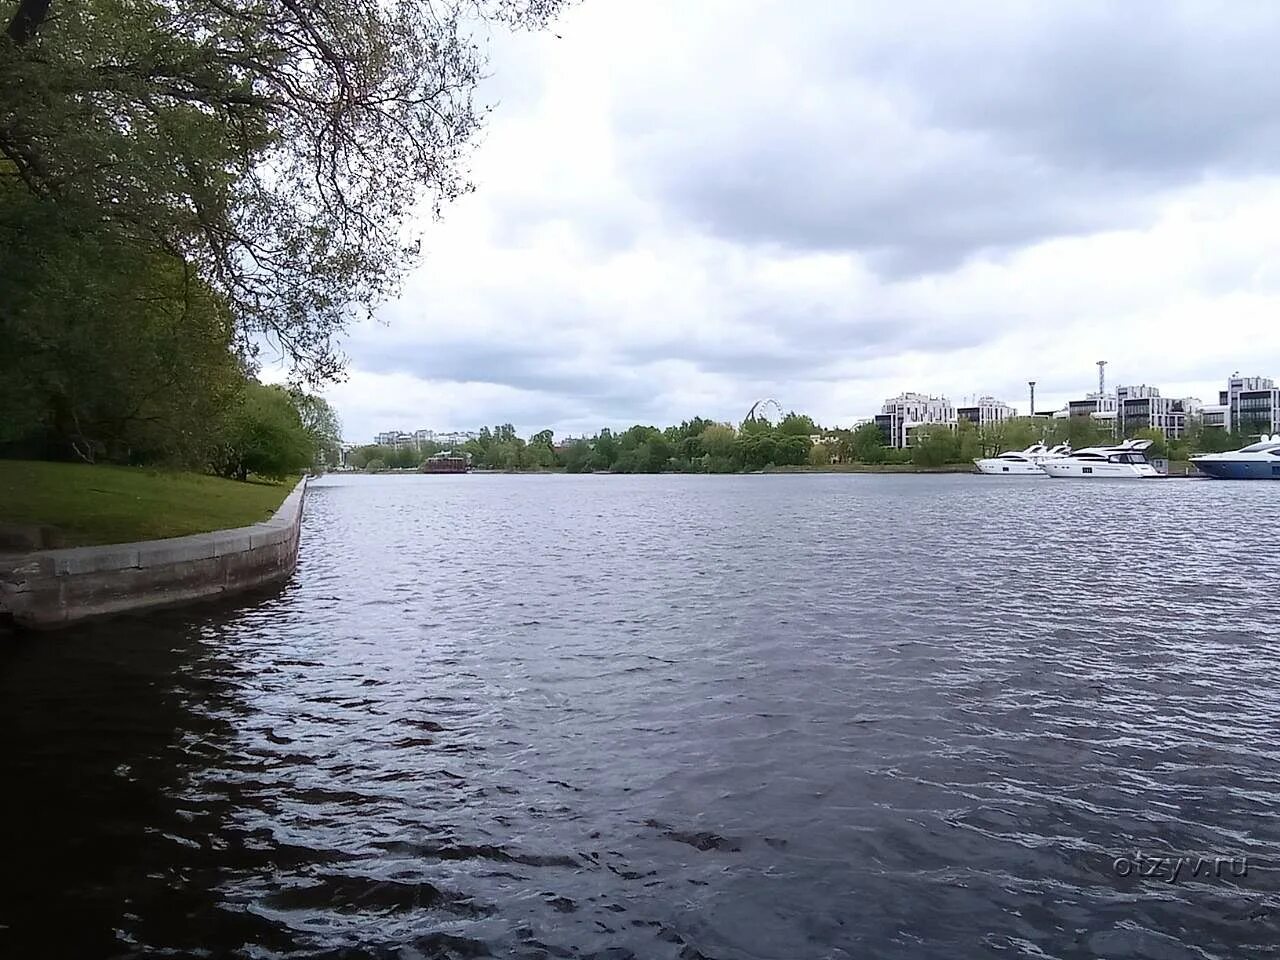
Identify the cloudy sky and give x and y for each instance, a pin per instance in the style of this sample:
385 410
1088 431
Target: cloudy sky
683 207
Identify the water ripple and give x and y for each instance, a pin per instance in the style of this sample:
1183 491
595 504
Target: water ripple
674 717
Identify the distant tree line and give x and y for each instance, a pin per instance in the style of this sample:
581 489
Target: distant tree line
708 446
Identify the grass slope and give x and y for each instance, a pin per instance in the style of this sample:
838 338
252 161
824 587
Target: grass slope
94 504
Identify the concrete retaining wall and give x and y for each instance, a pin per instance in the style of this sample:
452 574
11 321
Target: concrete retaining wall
48 589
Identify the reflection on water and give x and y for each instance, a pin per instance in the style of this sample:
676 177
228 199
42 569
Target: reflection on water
777 716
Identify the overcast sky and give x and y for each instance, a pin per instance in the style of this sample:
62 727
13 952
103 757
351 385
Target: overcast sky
683 207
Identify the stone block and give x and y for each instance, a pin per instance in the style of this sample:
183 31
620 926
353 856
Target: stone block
155 553
230 541
80 560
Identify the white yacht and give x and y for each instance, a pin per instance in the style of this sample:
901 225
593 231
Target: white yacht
1021 463
1125 461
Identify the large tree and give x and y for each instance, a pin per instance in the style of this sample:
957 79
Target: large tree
106 350
264 435
278 147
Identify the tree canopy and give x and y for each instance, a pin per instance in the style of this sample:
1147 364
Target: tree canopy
276 147
184 180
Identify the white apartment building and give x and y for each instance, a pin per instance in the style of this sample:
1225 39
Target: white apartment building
1143 408
399 439
1100 406
1215 415
1253 404
395 438
456 437
985 410
900 414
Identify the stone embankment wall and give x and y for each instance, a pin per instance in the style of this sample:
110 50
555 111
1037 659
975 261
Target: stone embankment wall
47 589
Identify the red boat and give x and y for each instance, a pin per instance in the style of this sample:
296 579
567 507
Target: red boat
447 462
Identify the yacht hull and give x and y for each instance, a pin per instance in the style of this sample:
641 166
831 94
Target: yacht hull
1100 471
1238 469
996 467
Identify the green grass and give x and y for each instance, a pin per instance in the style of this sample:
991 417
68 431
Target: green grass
94 504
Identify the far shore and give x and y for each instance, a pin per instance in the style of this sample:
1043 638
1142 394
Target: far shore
1178 468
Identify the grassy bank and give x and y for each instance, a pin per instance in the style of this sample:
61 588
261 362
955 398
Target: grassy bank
94 504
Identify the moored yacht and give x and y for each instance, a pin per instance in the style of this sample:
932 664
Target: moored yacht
1258 461
1021 463
1125 461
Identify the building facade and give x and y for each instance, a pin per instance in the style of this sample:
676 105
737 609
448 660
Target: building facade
1252 404
456 437
901 414
985 410
399 439
395 438
1142 408
1215 415
1100 406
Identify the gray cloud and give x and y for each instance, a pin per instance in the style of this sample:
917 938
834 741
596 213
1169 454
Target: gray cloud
681 208
925 137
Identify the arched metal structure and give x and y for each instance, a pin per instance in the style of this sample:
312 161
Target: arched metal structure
757 411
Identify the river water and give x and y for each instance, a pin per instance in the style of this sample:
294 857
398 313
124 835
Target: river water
806 716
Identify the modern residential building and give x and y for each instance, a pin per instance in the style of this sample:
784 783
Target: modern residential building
1100 406
1142 408
985 410
1215 415
900 414
1138 392
1253 404
1249 405
445 438
395 438
456 437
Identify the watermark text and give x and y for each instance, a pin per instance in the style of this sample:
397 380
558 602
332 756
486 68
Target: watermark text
1171 869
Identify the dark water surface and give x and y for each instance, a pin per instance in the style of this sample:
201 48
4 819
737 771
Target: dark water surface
772 717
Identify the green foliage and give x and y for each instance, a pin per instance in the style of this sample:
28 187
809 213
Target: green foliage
577 458
277 149
867 444
1159 446
753 426
387 457
540 452
1079 431
323 427
1202 439
110 352
264 435
605 451
717 441
498 449
798 425
935 446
